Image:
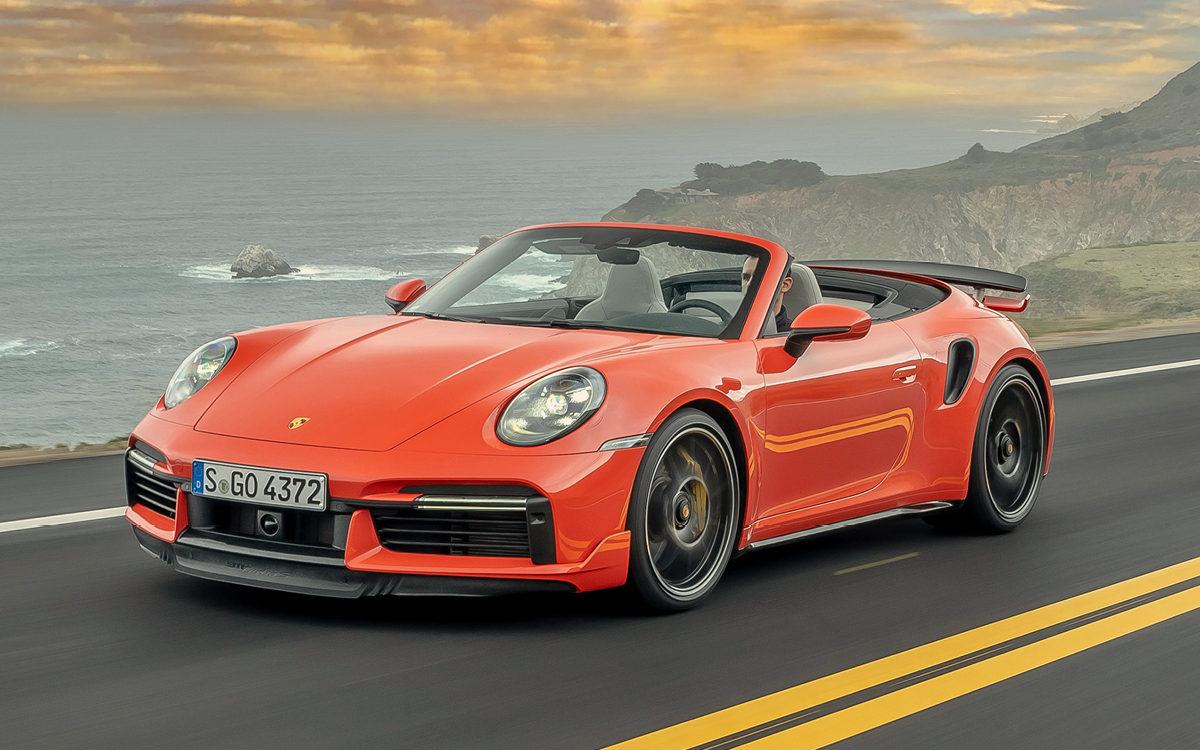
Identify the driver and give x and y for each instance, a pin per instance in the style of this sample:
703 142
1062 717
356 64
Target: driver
782 321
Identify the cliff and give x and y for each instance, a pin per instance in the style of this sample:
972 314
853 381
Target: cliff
1130 178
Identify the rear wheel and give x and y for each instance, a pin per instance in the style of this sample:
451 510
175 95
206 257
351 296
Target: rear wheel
1008 459
683 512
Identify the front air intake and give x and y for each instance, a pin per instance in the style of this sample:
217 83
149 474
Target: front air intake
471 526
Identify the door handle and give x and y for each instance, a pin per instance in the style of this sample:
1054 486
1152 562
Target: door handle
905 374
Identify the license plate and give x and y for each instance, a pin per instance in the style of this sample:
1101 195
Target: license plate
251 484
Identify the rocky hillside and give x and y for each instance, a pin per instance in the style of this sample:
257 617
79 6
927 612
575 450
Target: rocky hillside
1131 178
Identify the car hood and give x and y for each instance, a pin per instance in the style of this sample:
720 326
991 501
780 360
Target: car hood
372 382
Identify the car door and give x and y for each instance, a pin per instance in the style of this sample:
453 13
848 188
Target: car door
839 420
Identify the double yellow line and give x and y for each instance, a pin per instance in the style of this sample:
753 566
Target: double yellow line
752 721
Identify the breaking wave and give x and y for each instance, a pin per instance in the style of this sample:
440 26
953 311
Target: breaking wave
23 348
457 252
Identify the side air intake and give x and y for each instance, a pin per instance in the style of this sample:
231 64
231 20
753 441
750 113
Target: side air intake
958 369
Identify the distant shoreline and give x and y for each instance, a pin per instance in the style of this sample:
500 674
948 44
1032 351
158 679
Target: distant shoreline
19 455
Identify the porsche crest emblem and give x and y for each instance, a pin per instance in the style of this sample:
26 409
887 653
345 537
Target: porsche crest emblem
297 422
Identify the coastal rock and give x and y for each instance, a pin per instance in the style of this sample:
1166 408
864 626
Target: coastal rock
486 240
256 262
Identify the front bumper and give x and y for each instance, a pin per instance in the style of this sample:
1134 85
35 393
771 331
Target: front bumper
587 548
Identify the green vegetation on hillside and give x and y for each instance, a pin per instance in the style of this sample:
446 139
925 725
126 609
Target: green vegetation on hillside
643 204
723 181
755 177
980 168
1106 287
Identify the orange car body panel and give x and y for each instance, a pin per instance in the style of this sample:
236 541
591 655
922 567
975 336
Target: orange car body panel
848 429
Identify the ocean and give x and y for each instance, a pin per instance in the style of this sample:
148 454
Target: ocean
117 231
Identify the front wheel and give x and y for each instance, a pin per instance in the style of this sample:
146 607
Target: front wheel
1008 458
683 512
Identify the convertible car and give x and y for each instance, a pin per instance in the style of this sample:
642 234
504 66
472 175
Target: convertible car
587 406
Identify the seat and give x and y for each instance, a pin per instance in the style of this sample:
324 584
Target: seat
805 293
630 290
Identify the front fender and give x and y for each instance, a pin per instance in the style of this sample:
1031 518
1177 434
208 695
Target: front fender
644 388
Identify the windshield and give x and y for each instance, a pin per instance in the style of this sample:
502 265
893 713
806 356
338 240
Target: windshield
658 281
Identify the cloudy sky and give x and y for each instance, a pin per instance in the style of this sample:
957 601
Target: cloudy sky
593 59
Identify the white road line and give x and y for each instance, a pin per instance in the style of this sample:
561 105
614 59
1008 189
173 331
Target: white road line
96 515
59 520
1123 373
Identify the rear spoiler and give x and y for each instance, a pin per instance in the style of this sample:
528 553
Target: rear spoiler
976 278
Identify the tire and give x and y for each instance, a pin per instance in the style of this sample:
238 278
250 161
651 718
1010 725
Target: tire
1008 457
683 512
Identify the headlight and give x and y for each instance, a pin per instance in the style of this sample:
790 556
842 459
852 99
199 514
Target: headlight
552 407
195 372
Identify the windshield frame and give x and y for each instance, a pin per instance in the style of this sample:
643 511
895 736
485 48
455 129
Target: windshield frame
437 302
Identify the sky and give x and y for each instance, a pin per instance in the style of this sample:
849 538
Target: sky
593 60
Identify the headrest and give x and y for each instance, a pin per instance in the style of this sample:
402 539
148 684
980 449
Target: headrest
634 282
630 290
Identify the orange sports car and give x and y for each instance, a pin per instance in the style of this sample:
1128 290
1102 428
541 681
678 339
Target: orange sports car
583 406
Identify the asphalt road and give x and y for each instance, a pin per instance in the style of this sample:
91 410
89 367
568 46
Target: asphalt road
102 646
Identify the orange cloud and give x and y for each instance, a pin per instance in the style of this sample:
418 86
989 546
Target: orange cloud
565 53
1009 7
578 59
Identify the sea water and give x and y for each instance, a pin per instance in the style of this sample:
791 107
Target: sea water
116 232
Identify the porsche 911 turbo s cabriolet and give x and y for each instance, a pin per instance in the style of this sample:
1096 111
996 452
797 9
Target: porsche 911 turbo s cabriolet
580 407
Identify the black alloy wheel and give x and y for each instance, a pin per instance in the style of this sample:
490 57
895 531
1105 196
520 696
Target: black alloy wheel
683 512
1009 456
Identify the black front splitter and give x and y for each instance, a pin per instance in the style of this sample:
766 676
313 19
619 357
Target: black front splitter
322 579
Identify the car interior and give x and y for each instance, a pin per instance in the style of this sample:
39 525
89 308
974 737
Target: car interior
882 297
703 302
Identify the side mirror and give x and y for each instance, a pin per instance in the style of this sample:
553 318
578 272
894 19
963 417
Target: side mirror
401 294
825 322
